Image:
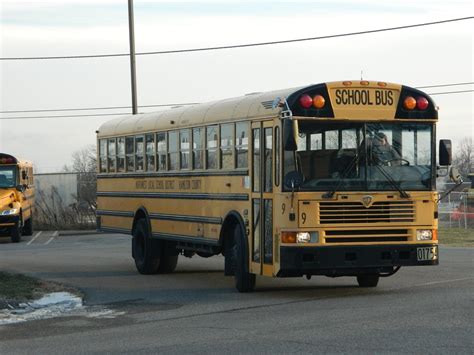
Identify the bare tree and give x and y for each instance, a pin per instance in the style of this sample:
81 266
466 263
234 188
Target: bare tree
84 165
53 213
463 158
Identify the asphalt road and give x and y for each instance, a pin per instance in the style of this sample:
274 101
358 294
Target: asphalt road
197 310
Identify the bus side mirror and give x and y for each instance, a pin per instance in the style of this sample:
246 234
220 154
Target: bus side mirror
293 180
445 152
20 188
290 131
455 176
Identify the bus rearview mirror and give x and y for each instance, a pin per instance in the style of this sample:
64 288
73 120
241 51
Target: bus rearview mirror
445 152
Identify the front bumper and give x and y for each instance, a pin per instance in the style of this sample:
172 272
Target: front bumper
349 260
9 221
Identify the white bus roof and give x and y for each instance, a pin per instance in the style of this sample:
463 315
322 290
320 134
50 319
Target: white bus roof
254 105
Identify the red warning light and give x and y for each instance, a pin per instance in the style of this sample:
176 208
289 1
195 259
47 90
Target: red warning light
422 103
306 101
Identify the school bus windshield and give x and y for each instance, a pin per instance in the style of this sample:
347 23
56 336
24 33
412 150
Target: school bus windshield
363 156
7 176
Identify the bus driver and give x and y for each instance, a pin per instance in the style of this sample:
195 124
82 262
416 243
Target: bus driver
382 152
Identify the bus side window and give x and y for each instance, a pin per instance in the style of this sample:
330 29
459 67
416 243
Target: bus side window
111 155
198 145
277 156
242 144
316 141
184 148
173 154
227 146
150 152
103 156
332 139
139 153
161 150
121 154
129 158
211 147
268 160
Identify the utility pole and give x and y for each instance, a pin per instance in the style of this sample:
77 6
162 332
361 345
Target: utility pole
132 56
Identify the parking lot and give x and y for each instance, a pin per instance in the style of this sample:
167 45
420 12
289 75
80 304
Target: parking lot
197 309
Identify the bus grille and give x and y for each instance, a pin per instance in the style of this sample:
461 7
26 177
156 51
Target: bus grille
356 212
367 236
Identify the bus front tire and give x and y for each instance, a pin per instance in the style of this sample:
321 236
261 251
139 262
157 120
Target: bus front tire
369 280
244 280
15 232
147 260
28 228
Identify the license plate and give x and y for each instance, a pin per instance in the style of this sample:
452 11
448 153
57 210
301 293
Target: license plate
427 253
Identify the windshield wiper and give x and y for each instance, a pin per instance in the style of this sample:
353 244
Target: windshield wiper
330 193
393 182
351 165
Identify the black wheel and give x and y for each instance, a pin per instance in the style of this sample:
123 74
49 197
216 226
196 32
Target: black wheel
169 257
15 232
28 227
244 280
370 280
145 251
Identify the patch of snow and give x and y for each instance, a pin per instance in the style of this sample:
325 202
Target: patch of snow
56 304
51 305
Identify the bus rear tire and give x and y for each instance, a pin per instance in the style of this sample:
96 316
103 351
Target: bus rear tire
28 228
169 257
147 260
369 280
244 280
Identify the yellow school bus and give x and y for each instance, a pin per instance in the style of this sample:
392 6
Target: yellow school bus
17 194
333 179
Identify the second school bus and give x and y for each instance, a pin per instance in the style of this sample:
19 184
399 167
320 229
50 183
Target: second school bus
17 194
334 179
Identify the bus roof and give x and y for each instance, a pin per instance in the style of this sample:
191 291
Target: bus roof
7 159
250 106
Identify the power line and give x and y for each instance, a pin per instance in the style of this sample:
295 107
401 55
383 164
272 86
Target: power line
128 113
65 116
450 92
174 104
442 85
202 49
97 108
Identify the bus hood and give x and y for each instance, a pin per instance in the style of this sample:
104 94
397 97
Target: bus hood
6 197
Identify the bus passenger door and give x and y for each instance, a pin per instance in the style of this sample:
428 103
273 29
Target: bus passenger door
261 245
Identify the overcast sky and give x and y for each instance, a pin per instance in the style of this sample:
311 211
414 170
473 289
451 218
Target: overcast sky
432 55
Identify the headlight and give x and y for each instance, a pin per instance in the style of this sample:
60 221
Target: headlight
9 212
300 237
303 237
424 234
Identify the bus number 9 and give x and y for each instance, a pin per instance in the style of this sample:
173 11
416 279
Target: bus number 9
303 217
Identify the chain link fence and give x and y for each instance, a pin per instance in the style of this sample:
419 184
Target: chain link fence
457 209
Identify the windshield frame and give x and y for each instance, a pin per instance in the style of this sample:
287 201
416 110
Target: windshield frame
430 180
